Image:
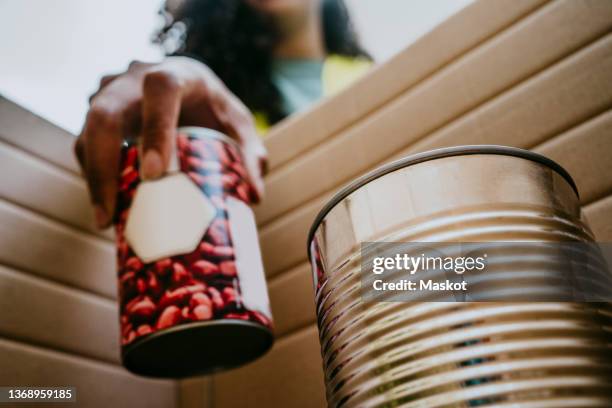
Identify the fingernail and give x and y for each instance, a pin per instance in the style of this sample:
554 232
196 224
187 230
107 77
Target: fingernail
101 216
152 166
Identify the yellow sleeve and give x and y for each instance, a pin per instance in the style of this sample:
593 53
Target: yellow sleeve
340 71
261 123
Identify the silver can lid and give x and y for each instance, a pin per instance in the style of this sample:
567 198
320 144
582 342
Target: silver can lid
433 155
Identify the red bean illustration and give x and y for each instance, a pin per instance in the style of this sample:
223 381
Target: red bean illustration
122 251
124 214
131 157
185 313
128 177
195 288
200 299
260 318
130 337
126 329
209 251
169 317
182 143
127 284
141 285
180 295
163 266
134 264
228 294
172 297
204 268
235 155
240 170
215 297
229 181
153 284
240 316
228 268
202 312
242 191
180 274
195 163
143 309
144 329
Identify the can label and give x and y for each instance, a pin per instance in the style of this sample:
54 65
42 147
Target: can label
248 259
187 247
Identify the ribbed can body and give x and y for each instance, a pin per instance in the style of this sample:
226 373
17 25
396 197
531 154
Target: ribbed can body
456 354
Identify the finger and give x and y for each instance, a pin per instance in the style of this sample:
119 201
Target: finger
136 65
79 152
255 164
238 124
262 156
104 82
256 156
161 101
107 79
263 163
102 138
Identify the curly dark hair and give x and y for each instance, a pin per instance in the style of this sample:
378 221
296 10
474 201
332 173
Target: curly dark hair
237 43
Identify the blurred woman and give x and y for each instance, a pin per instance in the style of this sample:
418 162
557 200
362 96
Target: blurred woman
233 65
277 56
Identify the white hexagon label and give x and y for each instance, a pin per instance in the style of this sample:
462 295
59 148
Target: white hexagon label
168 217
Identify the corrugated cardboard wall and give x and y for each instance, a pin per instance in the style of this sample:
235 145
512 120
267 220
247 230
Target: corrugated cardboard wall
529 73
59 323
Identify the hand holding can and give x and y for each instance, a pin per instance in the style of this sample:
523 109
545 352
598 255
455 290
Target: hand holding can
150 101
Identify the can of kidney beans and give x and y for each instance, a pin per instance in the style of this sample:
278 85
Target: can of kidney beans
192 292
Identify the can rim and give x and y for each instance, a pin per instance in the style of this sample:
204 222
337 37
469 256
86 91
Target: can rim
433 155
203 133
221 325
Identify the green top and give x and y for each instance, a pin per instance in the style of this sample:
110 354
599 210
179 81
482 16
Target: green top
299 82
302 82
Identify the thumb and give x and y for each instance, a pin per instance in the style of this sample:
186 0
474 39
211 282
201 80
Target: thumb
255 157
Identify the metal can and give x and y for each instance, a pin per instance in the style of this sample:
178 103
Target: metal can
192 291
456 354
